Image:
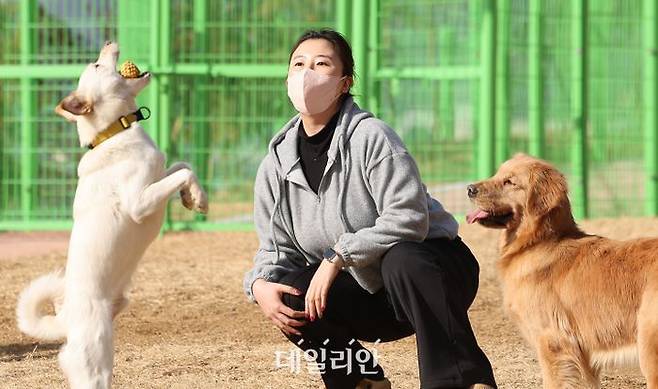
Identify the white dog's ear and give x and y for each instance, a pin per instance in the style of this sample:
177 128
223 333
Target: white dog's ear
73 106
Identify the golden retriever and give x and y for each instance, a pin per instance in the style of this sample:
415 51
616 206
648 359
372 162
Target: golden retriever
584 302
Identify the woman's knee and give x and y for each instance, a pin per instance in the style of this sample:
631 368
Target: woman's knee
299 280
293 301
403 259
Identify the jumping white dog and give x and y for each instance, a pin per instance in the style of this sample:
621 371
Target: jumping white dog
118 210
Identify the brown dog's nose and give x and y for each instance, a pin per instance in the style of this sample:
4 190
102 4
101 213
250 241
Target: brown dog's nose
472 191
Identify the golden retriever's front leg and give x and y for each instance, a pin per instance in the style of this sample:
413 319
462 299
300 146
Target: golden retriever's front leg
563 364
647 338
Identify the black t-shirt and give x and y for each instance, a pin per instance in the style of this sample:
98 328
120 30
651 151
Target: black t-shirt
313 151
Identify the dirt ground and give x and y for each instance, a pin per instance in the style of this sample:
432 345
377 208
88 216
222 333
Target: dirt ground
190 326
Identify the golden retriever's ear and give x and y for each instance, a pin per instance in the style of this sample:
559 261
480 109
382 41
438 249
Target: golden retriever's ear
547 190
73 106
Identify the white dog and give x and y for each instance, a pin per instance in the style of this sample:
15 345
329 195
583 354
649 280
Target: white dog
118 210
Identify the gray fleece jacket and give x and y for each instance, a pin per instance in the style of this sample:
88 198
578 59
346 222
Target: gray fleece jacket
369 199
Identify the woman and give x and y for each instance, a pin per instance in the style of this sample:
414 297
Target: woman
351 245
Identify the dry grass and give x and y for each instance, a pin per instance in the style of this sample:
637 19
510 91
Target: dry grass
189 325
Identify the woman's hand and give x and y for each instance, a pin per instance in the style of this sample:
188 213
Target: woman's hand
316 295
268 295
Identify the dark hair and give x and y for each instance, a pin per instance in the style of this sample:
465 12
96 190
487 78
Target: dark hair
340 44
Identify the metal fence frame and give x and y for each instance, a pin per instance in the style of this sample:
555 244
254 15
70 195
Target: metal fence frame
360 21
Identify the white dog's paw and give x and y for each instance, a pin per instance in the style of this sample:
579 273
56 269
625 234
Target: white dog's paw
186 199
118 305
199 198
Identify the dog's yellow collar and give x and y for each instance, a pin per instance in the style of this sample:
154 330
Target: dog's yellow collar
123 123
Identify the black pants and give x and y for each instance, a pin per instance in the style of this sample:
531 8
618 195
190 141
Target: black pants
428 288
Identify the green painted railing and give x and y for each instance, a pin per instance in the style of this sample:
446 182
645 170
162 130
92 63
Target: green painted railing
466 84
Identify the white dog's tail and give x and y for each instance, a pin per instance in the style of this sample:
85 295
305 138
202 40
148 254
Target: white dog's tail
44 290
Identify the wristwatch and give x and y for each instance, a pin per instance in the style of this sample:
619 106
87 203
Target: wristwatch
332 256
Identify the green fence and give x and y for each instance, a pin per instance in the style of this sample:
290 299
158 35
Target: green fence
465 83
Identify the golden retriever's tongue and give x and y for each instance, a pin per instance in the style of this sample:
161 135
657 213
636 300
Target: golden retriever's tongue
476 215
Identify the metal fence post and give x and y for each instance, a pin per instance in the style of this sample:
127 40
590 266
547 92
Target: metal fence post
475 38
154 62
343 17
535 85
649 91
200 107
599 85
165 88
487 101
133 43
27 16
502 82
579 112
372 96
359 48
446 106
165 77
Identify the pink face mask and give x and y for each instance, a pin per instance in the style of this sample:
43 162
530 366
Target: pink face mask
311 92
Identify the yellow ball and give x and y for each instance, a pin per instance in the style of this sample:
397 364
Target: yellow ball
129 70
